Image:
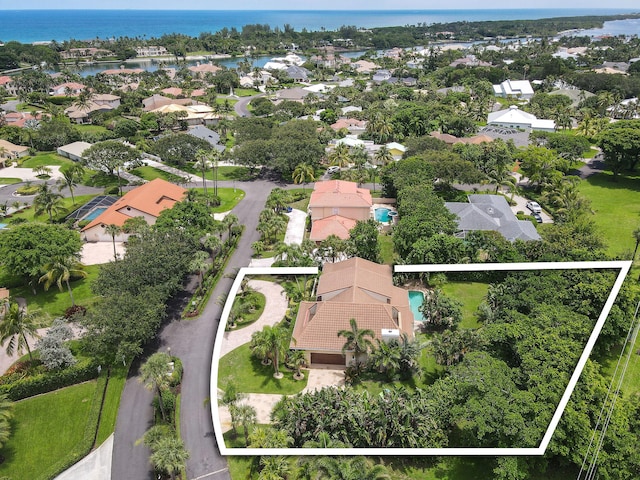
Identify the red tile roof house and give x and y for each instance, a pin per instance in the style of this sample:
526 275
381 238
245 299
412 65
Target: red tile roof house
67 89
358 289
335 208
146 201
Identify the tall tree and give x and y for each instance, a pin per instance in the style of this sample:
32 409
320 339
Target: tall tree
71 178
303 173
15 327
113 230
47 201
154 375
169 456
356 339
61 269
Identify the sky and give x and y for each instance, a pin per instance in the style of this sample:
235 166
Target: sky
632 5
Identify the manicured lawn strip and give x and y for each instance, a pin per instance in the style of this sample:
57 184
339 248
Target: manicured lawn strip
46 159
53 303
224 173
9 181
617 208
229 198
245 92
67 207
470 294
253 377
303 203
91 129
46 429
151 173
259 300
109 414
386 248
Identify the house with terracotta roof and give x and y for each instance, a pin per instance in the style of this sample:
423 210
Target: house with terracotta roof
358 289
9 85
336 206
8 151
353 125
202 69
146 201
67 89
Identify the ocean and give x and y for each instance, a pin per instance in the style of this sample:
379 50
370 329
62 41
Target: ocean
27 26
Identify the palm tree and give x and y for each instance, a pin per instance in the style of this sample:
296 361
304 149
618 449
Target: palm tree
153 374
199 264
61 269
340 156
71 178
354 468
303 173
169 456
6 414
298 359
203 164
273 343
383 156
247 416
113 230
15 326
229 221
47 201
501 177
356 339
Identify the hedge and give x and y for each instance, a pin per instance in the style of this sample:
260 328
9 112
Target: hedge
46 382
83 447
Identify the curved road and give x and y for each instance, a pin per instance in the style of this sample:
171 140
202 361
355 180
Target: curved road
192 341
241 106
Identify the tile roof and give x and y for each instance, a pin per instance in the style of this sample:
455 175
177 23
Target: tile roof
150 198
332 225
339 193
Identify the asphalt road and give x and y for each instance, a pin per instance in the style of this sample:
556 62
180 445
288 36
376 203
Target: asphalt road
241 106
192 341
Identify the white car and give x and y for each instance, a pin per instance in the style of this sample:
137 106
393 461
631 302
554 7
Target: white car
333 169
534 206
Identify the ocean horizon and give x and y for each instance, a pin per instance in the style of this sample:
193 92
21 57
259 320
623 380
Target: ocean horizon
30 26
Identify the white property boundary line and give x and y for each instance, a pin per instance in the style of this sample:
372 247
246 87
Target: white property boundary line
623 266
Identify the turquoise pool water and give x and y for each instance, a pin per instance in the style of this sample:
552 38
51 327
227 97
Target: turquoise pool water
95 213
382 214
415 300
2 225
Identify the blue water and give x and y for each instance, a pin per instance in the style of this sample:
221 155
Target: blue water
382 214
415 300
95 213
2 225
44 25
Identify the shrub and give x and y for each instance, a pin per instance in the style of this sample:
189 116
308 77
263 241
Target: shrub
27 190
176 376
53 351
76 310
169 402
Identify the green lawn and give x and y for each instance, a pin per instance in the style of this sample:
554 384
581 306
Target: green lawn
245 92
229 198
9 181
257 299
386 248
67 207
470 294
53 303
251 376
151 173
616 206
45 429
111 403
224 173
46 159
91 129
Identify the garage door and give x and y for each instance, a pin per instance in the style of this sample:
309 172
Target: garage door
327 358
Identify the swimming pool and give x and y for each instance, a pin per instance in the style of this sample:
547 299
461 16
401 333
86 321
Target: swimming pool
3 225
415 300
382 214
95 213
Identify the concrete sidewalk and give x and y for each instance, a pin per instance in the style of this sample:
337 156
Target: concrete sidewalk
295 227
95 466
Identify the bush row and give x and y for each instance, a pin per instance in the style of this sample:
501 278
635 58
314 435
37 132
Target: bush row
52 380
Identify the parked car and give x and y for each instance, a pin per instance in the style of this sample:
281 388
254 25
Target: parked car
534 206
537 217
333 169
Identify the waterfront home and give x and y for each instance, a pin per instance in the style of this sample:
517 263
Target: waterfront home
353 289
67 89
151 51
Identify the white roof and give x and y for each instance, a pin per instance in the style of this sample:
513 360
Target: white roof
319 88
350 141
396 146
75 148
516 87
513 115
275 66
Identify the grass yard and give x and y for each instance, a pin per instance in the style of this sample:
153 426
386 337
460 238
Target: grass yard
258 300
251 376
470 294
229 198
46 428
224 173
91 129
245 92
46 159
9 181
151 173
385 241
617 209
53 303
109 413
67 207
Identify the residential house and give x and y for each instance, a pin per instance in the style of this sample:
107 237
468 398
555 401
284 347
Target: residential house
202 132
353 125
396 149
452 139
82 114
151 51
73 151
9 151
514 88
353 289
146 201
381 76
513 117
84 53
9 85
174 91
364 66
296 94
491 212
18 119
195 114
67 89
156 101
202 69
335 207
297 74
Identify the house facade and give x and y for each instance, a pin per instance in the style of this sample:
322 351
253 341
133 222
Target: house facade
353 289
146 201
514 88
513 117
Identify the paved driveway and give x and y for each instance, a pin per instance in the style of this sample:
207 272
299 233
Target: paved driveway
25 174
